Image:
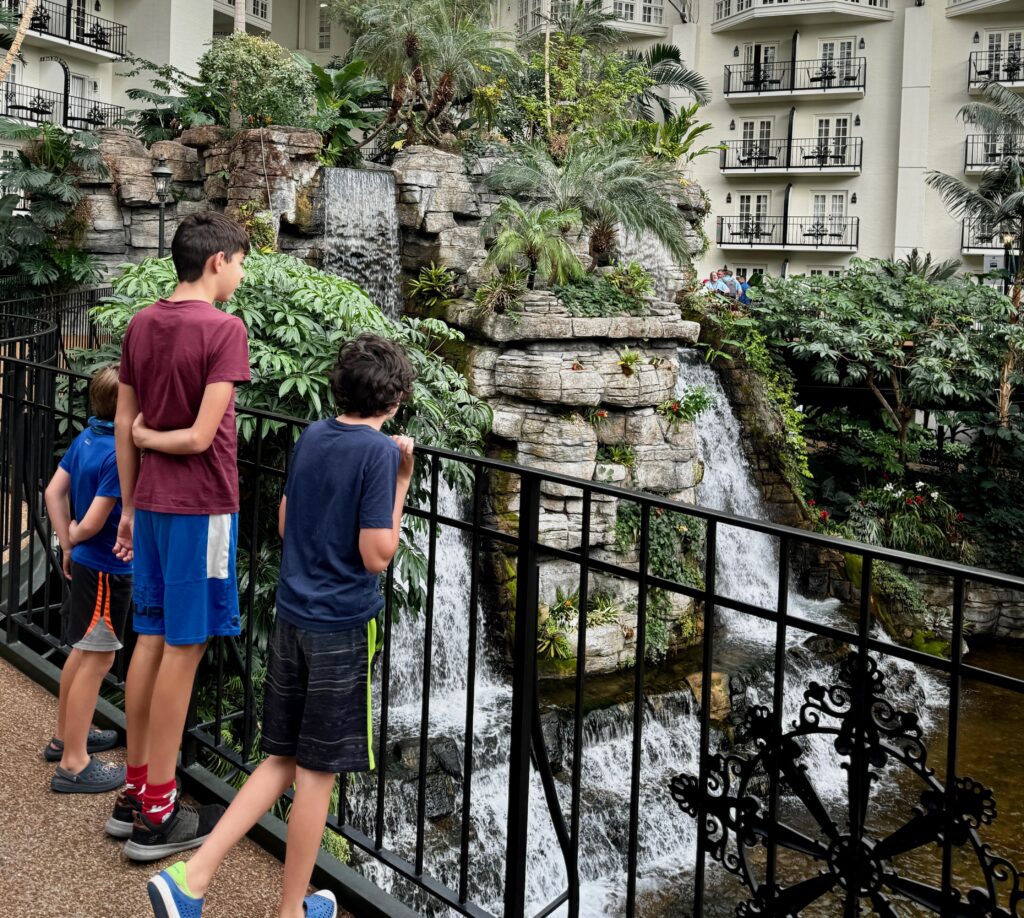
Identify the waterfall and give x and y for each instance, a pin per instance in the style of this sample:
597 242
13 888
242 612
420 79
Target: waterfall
667 839
360 240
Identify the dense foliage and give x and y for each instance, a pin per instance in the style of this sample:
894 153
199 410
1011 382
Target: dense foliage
43 211
340 99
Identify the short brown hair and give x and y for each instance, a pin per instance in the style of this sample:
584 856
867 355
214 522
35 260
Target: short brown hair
371 376
201 235
103 392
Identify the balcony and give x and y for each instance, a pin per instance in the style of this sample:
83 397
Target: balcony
258 13
823 233
983 7
739 14
978 237
26 103
639 18
983 151
842 79
67 25
1005 67
778 156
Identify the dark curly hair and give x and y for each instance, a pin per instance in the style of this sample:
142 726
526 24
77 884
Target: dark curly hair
372 375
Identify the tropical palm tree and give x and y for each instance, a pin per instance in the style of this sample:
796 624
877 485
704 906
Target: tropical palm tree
14 45
585 19
914 264
538 235
1001 113
609 183
664 65
432 54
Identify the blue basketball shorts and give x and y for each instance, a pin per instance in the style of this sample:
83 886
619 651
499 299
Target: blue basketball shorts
185 585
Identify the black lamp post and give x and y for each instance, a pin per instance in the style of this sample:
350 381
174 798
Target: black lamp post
1008 240
162 174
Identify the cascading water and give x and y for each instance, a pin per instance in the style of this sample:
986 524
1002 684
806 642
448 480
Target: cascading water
360 240
670 730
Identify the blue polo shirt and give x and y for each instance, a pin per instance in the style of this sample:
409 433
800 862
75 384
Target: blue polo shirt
92 464
342 479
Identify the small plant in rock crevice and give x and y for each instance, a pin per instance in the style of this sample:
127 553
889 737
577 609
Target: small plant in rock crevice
617 453
689 407
502 293
631 280
628 361
434 288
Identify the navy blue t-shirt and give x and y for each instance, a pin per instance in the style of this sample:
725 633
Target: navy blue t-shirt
342 479
92 464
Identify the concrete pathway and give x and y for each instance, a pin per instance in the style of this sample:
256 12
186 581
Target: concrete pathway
56 861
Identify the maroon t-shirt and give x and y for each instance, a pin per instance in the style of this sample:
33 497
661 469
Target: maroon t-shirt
171 352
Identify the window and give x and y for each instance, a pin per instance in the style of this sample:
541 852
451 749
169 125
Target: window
833 139
829 223
259 8
750 271
12 77
754 207
530 16
82 86
826 271
653 12
836 54
323 42
756 135
759 52
624 10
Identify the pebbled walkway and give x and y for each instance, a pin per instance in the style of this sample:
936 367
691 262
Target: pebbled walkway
56 861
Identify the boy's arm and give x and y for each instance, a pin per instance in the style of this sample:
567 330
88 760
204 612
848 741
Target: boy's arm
378 546
281 510
58 510
92 523
188 441
127 467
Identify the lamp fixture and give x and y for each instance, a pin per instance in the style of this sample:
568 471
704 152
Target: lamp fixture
98 6
860 44
977 38
728 197
732 125
853 198
162 175
736 51
856 120
1009 238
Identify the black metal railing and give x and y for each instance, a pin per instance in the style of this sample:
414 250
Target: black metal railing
69 313
725 8
86 114
781 77
983 151
73 21
26 103
40 405
819 153
791 232
984 234
995 67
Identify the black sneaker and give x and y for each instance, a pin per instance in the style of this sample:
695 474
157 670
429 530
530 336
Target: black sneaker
120 823
186 827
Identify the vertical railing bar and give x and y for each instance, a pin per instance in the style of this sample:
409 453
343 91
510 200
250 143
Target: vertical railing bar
778 700
249 702
14 548
524 678
428 638
467 757
636 761
385 693
710 561
953 740
218 646
342 797
577 735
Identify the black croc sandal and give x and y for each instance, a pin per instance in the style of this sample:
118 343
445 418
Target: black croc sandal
97 777
98 741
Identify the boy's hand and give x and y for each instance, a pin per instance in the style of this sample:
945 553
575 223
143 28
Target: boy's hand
66 562
123 544
405 445
139 431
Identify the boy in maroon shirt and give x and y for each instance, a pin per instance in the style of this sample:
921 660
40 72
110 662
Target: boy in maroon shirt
180 361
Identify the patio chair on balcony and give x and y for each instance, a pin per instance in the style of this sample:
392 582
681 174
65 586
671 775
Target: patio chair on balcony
819 154
757 156
825 75
37 105
761 80
40 21
97 37
1013 67
816 230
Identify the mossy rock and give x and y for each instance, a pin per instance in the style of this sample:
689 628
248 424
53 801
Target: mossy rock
931 643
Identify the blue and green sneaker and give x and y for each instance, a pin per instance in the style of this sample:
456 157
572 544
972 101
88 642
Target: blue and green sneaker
170 896
321 905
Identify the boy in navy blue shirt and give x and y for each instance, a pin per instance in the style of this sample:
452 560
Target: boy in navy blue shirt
340 519
100 592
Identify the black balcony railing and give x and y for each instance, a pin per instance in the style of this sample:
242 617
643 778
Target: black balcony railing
72 21
822 154
995 67
781 77
983 234
986 150
26 103
791 232
40 406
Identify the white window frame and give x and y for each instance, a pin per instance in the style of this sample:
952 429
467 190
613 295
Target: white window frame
324 30
652 12
826 270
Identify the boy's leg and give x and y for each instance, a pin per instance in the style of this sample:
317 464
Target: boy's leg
263 789
81 705
138 695
305 830
67 677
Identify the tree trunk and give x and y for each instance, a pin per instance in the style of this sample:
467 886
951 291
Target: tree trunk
547 71
19 37
234 115
897 415
240 15
1004 396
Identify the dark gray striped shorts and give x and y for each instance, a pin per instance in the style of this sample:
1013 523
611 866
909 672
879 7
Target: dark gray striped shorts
316 699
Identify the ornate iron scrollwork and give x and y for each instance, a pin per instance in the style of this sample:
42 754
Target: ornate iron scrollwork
870 735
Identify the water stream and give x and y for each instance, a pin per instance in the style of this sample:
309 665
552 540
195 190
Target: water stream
747 565
360 240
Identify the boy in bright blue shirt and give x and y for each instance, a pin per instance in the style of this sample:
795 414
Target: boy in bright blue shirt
100 594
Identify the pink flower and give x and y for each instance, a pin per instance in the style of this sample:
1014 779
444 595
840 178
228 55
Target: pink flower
823 515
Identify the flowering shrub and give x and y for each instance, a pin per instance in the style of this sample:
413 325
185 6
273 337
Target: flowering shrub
685 410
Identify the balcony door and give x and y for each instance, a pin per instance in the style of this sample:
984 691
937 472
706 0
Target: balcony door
833 139
836 55
757 135
1005 53
759 61
754 208
829 212
78 8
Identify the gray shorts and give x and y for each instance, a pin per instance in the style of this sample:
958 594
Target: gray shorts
316 698
96 609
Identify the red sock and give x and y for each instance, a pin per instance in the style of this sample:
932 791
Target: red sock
158 801
135 782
